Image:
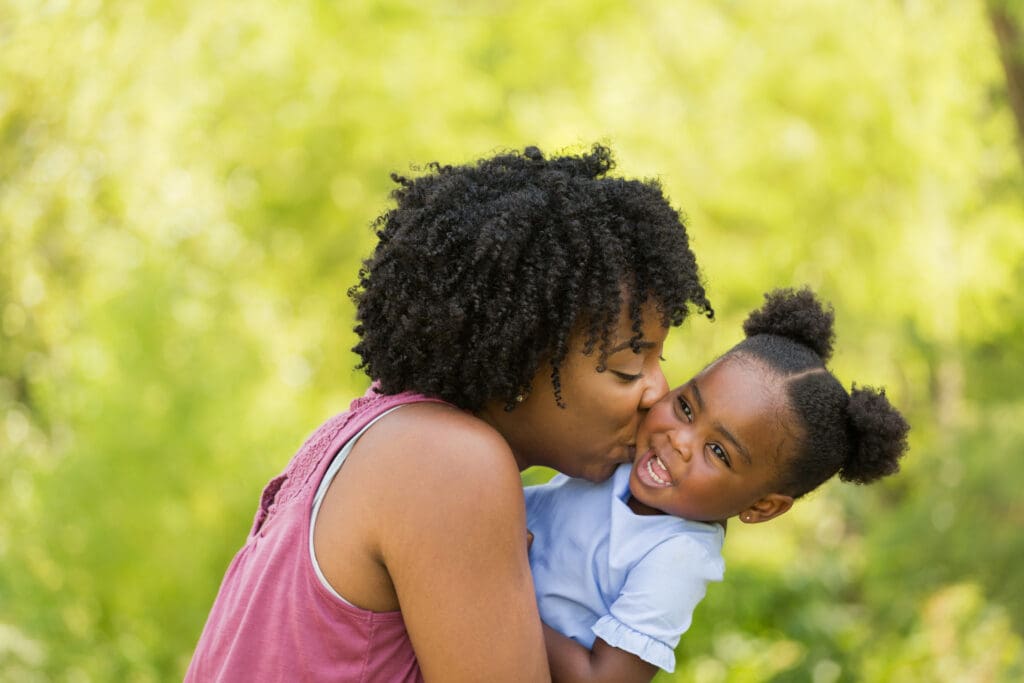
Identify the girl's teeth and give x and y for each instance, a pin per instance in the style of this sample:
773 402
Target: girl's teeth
654 476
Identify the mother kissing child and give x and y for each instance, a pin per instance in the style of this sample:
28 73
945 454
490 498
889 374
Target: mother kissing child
512 314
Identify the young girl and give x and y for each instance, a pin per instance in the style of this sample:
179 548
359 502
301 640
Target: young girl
619 566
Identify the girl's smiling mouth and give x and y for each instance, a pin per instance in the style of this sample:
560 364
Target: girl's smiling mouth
651 471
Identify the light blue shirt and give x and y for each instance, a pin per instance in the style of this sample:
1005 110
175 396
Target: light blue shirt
601 570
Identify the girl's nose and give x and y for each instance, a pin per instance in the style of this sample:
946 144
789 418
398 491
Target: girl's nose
680 440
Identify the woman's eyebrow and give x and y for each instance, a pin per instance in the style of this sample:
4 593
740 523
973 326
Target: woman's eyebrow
643 344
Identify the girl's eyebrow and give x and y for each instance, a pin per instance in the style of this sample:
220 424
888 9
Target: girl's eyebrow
718 425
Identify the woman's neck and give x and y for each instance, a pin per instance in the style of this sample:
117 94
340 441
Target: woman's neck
497 417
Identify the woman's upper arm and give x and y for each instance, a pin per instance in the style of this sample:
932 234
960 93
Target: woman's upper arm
452 537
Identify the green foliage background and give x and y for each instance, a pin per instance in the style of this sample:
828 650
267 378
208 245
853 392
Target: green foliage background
186 190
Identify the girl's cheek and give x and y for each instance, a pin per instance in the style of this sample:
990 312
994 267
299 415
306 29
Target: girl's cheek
661 414
652 422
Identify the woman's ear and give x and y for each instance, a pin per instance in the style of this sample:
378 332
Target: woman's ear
769 507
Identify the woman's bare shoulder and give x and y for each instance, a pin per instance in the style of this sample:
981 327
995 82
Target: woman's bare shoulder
435 442
435 471
423 481
450 528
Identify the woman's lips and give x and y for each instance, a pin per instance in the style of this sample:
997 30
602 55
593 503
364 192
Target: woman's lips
652 471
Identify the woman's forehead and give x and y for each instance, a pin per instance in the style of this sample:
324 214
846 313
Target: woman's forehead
623 333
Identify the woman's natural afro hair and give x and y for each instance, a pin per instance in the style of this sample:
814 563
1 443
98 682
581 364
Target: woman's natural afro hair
484 272
858 435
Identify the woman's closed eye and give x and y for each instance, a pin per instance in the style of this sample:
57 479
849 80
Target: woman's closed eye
626 376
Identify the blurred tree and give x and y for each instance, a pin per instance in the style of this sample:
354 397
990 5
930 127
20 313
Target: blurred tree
186 190
1007 17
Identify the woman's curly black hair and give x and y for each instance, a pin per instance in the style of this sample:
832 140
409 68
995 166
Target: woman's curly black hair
483 272
858 434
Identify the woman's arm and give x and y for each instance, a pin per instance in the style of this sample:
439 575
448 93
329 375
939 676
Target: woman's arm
572 663
449 526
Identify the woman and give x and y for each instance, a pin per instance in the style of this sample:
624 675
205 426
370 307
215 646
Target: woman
513 314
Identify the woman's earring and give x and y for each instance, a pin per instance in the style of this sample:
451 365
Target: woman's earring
514 402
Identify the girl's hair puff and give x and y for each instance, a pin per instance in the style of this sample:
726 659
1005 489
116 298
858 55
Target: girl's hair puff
483 272
859 435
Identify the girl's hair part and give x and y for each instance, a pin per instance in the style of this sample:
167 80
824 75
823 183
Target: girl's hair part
859 435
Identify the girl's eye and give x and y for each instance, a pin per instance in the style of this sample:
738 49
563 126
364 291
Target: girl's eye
719 453
685 407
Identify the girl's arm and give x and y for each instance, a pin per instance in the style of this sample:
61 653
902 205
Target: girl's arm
655 605
570 662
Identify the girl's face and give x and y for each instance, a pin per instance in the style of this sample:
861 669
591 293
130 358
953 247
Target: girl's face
709 449
596 431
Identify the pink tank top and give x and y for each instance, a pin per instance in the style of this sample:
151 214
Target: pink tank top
273 620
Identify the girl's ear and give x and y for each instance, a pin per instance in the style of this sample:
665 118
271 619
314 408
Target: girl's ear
769 507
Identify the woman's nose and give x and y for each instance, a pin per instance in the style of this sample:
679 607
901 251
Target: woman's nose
654 389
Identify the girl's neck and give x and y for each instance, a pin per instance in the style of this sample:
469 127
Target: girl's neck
639 508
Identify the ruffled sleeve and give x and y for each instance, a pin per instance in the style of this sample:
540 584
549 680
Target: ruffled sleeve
615 633
655 605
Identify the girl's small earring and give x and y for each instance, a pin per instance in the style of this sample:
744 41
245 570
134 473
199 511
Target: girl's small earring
520 398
